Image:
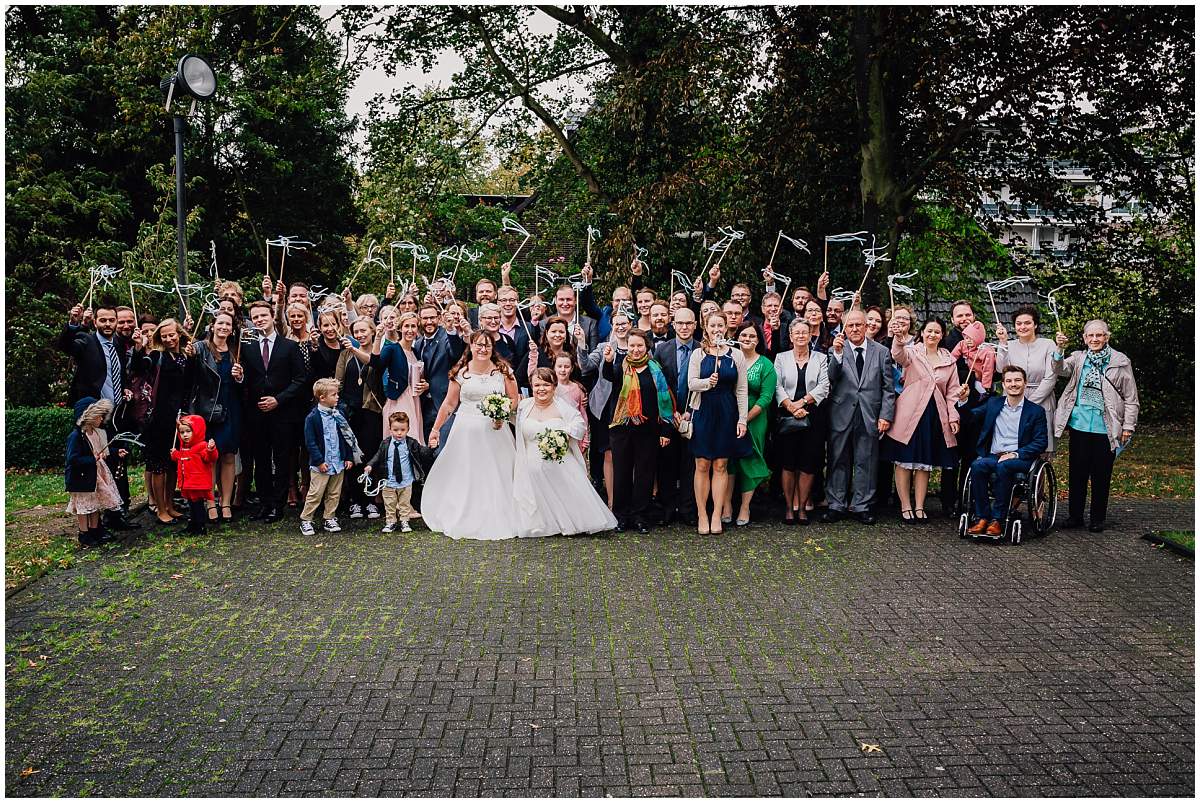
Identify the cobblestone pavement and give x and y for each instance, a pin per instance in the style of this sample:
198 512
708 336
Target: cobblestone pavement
824 660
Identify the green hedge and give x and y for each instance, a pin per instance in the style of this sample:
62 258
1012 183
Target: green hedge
36 437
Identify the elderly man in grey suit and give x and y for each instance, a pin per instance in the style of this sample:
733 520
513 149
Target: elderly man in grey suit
863 405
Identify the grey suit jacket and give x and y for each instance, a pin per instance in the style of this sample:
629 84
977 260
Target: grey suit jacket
871 395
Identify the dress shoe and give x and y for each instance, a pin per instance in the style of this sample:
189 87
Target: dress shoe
995 528
1096 527
642 528
866 517
667 520
621 527
1071 524
271 516
979 527
118 521
831 516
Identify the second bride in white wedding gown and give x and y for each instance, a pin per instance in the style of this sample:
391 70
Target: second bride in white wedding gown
554 498
469 490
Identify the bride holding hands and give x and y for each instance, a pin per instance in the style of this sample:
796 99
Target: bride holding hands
469 491
551 485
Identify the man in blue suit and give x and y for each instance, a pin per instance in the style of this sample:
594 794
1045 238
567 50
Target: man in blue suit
1012 436
439 351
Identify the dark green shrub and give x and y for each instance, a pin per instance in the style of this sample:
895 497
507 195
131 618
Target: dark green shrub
36 437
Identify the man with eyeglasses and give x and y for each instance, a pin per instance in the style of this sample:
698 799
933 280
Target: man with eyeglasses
676 466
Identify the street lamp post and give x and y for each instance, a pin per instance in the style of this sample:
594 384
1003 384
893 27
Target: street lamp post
193 77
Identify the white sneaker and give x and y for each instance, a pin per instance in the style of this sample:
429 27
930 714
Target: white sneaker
404 527
356 511
307 528
372 512
331 526
390 527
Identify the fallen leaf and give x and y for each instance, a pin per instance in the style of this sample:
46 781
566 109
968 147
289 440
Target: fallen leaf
177 577
317 546
25 773
33 663
869 748
128 667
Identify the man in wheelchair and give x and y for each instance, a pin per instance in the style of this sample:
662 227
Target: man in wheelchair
1014 434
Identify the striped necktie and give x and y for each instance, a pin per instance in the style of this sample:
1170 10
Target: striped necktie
114 369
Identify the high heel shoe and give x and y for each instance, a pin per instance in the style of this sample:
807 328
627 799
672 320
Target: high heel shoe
909 519
702 528
923 517
230 516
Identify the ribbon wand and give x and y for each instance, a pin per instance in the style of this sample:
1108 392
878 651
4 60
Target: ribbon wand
1003 284
590 233
894 286
133 302
872 256
1052 303
216 272
850 237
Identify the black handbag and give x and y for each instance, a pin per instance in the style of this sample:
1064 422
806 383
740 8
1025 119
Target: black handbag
788 423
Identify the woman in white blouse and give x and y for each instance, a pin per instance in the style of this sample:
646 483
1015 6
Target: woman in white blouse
801 391
1034 354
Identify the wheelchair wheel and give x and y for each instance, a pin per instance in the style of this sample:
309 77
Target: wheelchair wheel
964 494
1043 498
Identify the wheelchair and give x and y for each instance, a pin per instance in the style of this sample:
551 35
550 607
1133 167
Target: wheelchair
1032 505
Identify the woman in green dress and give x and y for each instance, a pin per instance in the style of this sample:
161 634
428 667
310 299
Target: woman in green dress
752 471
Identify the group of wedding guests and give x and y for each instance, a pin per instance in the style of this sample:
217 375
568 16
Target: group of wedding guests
562 416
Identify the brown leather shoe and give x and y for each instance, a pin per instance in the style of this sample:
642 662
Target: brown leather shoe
995 528
978 527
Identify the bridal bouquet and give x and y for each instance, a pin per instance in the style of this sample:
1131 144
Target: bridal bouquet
496 406
553 445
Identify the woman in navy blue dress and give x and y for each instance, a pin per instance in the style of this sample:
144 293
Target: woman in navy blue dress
717 376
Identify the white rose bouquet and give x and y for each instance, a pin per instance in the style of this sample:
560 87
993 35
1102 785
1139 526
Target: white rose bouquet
496 406
553 445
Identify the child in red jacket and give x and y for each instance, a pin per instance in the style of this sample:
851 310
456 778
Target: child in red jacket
195 460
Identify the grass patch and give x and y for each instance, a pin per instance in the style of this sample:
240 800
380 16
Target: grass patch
1159 464
39 537
1183 538
32 488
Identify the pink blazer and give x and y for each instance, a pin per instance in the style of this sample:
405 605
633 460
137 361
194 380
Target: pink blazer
922 380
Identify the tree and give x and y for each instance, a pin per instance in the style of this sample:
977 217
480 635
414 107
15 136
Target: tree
88 148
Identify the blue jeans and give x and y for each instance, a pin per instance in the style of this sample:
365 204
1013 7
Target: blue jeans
989 474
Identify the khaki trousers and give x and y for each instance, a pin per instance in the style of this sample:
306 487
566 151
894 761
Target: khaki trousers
397 504
322 486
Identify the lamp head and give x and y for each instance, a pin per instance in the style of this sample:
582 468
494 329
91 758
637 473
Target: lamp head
193 76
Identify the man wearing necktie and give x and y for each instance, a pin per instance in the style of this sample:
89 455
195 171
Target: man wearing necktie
274 383
862 408
676 466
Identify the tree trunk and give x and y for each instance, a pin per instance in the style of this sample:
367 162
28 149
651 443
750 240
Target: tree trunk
884 205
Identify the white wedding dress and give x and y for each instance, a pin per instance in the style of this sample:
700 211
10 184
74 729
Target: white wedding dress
469 490
555 498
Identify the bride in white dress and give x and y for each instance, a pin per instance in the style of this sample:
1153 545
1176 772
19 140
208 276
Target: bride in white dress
554 497
469 490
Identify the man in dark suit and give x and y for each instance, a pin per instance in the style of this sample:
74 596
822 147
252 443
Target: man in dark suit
512 325
676 466
1012 435
275 387
773 328
564 307
485 293
100 367
439 351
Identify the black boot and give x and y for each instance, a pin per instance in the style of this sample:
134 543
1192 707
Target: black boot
89 538
197 518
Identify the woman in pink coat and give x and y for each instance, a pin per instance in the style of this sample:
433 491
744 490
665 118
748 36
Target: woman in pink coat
923 433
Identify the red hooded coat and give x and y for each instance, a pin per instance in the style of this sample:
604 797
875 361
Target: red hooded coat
196 461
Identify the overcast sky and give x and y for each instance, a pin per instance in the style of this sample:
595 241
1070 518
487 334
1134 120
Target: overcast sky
373 80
